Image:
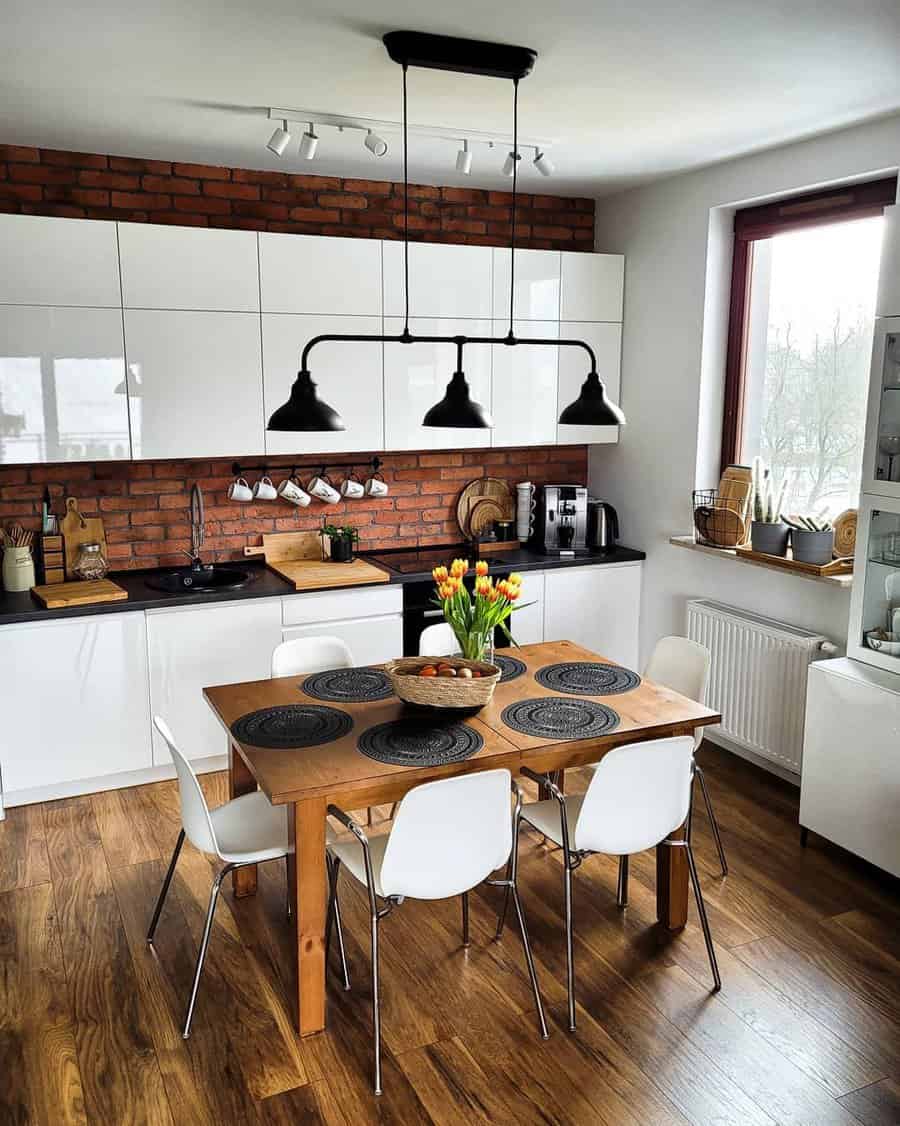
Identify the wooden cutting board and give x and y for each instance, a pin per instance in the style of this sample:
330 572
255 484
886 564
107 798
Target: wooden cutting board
480 488
288 545
313 574
57 596
78 529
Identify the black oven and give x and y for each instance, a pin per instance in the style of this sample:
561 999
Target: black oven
420 611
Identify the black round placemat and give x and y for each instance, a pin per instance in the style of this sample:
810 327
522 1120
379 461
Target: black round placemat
348 686
587 678
559 717
415 741
292 725
510 667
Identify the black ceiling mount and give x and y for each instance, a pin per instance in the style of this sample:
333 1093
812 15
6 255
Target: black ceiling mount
467 56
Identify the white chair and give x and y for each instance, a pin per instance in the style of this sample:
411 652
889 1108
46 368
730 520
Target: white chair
639 794
438 640
310 654
447 838
683 665
246 830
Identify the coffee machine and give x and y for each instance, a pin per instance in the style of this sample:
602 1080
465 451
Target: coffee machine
560 521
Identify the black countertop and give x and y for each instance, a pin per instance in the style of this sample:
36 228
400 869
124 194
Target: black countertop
521 559
23 607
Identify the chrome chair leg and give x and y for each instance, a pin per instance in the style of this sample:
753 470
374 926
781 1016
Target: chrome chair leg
204 943
545 1035
164 890
622 889
376 1005
712 819
704 922
501 918
465 919
334 917
570 948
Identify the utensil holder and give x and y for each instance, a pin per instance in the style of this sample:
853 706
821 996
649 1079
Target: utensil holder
18 569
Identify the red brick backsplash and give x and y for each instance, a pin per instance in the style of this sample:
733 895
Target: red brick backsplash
144 504
37 181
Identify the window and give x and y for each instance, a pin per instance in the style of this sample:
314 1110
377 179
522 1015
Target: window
804 278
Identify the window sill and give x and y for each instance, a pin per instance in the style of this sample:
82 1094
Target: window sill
842 582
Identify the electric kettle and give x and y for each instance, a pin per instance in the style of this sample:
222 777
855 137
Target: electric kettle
603 526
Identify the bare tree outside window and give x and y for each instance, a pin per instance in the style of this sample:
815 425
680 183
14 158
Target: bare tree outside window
809 342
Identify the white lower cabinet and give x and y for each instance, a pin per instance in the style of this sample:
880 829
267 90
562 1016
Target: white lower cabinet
369 621
73 697
597 607
527 621
194 647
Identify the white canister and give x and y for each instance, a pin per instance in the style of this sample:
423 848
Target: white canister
18 569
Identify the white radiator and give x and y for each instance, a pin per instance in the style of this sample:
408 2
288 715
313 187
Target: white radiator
758 678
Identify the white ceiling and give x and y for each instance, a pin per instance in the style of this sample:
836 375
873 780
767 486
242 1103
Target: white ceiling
628 91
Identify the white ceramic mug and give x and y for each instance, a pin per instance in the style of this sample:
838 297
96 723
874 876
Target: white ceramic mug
240 491
264 489
322 489
352 488
525 506
375 486
292 491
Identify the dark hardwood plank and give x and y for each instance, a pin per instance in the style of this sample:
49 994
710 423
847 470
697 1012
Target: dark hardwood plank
875 1105
119 1069
23 848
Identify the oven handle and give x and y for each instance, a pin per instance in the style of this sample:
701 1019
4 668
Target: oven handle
432 613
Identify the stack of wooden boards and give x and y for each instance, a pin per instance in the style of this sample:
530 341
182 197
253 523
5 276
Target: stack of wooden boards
297 557
59 555
725 520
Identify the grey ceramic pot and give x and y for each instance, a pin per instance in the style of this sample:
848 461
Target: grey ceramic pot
813 547
771 539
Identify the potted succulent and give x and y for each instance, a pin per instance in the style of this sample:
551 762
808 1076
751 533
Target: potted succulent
341 541
812 539
473 617
768 532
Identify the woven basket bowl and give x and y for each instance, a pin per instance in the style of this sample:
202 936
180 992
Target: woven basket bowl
442 691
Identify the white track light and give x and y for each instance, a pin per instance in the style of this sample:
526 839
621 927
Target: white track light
543 163
510 162
279 140
308 143
375 144
464 159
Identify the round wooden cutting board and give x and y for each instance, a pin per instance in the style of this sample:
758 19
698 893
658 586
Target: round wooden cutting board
482 488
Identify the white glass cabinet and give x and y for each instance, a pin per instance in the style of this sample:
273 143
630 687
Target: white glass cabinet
881 462
875 602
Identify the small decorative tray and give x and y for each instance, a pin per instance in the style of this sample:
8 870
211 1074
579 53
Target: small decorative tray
442 691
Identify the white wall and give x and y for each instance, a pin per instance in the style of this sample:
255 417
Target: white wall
676 236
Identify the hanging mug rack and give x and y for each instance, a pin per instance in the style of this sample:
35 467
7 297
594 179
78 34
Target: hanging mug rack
239 468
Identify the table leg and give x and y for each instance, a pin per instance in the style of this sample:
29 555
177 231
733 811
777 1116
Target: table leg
241 781
309 905
672 884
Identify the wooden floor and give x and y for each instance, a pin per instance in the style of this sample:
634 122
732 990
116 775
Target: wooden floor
805 1031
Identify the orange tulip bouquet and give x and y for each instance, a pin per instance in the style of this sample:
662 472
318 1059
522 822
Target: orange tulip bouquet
473 617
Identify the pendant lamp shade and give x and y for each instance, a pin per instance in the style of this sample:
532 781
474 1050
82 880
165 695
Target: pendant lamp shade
592 408
304 410
457 408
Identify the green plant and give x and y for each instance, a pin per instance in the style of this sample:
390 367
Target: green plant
766 508
342 532
818 523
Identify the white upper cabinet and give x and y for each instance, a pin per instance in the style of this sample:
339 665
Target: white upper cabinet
574 365
444 280
62 385
188 268
58 262
592 286
416 377
524 387
348 377
195 383
537 284
320 274
887 303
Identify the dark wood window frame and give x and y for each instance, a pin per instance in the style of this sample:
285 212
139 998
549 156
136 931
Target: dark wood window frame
751 224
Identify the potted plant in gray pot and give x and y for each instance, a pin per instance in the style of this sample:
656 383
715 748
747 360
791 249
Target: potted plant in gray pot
768 532
812 539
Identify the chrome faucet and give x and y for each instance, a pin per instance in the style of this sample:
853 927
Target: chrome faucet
197 528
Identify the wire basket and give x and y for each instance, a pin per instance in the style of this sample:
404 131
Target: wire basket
718 521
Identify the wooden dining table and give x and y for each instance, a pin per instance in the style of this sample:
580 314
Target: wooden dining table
308 779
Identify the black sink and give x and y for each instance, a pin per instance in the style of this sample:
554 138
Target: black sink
206 580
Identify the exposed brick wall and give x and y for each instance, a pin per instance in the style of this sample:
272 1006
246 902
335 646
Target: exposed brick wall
89 185
144 505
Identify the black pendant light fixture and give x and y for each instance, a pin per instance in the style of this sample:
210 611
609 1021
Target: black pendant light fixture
304 411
